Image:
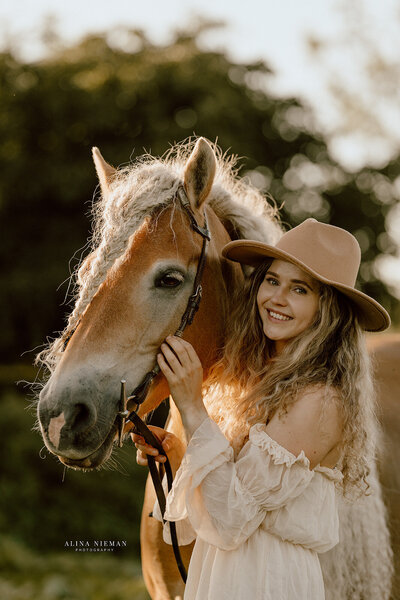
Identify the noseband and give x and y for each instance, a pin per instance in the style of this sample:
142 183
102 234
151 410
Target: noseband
140 392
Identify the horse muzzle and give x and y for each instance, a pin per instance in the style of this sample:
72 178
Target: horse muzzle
75 427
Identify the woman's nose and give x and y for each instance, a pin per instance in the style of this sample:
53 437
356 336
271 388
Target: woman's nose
279 296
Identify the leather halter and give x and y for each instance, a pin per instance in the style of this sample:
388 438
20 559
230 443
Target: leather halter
139 394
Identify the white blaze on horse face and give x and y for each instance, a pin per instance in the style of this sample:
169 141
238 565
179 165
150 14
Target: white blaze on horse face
55 426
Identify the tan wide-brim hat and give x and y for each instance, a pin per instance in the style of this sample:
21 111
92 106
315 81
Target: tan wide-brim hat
327 253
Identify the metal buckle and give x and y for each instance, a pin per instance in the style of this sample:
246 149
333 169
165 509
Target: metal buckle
193 304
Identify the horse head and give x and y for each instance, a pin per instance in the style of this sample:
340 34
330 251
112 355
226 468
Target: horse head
133 289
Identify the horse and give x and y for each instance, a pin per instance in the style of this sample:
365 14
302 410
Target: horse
131 292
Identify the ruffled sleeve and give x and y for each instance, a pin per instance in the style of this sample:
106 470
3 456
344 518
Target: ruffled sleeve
226 501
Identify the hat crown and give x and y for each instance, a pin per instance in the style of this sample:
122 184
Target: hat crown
329 251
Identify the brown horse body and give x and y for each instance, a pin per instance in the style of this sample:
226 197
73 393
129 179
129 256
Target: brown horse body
123 313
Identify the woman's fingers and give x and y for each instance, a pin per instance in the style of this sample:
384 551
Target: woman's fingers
191 352
170 443
164 366
181 348
173 357
144 449
141 459
136 438
177 354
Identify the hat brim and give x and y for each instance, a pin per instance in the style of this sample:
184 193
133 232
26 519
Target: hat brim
373 316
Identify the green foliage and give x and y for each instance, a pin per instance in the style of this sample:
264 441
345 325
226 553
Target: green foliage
52 112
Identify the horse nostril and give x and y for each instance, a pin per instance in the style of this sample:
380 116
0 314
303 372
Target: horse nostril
81 417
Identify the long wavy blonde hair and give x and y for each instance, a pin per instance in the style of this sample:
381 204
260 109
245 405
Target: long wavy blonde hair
255 383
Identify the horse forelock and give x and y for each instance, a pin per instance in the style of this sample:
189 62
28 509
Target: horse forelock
143 189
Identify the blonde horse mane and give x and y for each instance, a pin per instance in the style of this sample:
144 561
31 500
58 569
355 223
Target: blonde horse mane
142 188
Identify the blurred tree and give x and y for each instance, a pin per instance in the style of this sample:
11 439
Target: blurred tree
363 98
124 94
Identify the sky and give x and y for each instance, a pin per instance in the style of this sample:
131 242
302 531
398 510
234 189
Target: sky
351 37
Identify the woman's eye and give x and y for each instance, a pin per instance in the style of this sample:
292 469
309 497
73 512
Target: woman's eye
169 280
271 280
300 290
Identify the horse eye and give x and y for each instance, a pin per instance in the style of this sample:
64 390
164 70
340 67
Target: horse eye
170 280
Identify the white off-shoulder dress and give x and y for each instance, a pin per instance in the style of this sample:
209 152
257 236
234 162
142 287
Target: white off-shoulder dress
259 521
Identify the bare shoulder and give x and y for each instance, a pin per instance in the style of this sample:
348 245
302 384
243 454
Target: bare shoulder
318 405
313 423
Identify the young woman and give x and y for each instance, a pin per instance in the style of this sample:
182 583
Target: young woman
295 375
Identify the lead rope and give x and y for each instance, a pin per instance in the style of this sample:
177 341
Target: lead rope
142 429
140 392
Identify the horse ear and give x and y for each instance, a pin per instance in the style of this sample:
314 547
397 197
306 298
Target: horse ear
105 172
199 173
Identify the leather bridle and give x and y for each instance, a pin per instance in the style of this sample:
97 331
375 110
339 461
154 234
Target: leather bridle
139 394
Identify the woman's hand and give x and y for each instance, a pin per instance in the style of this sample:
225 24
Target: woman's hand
171 444
182 368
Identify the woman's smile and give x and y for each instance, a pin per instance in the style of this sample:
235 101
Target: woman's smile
274 316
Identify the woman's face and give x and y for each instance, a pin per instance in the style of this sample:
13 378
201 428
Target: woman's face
287 300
